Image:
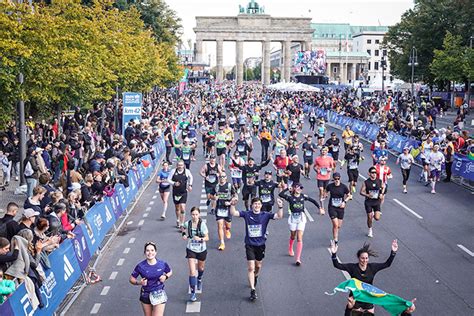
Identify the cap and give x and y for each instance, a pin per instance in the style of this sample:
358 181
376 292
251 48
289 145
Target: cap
333 134
212 157
99 156
268 172
336 175
297 185
29 212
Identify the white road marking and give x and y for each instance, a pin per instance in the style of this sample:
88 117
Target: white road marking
151 202
469 252
157 191
193 307
408 209
203 214
311 219
146 214
148 209
363 177
105 290
203 191
120 262
129 222
204 221
203 202
132 240
203 196
113 275
141 222
154 197
95 308
203 207
126 250
345 273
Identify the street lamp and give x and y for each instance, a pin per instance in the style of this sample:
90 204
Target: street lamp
413 61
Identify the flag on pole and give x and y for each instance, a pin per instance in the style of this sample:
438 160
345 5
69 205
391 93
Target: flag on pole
388 104
367 293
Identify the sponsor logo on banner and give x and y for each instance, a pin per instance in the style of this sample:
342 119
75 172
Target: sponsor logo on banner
98 221
77 248
108 214
68 269
47 289
27 308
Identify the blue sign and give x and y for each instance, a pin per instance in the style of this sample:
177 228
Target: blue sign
132 108
463 167
81 248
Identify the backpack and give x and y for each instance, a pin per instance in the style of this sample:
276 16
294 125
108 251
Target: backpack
28 170
3 228
190 229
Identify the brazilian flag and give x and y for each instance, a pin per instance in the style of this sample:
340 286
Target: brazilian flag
367 293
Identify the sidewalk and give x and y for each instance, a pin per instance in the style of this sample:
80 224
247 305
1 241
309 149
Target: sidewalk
8 196
449 117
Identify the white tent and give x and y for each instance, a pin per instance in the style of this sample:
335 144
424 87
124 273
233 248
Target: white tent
293 87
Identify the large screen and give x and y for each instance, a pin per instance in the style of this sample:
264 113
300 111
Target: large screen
311 62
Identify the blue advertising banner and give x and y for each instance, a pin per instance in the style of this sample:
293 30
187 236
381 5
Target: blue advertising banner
132 108
115 200
59 279
463 167
81 248
98 220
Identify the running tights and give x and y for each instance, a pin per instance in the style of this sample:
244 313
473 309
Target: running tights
405 175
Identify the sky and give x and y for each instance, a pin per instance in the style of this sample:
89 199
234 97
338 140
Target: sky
355 12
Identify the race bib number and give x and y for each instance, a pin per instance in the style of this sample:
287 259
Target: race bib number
240 148
211 178
195 245
177 197
374 194
255 230
353 165
296 218
323 171
280 172
308 153
222 212
186 156
250 180
335 148
236 173
266 198
158 297
336 202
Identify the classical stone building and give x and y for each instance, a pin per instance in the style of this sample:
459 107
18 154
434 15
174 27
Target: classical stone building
252 25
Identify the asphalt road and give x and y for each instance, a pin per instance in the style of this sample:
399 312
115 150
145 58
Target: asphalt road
434 263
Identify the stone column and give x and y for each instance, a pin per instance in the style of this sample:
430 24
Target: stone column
266 63
307 45
219 60
198 48
354 67
287 61
239 61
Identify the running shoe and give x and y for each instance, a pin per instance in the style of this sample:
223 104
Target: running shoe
253 295
433 192
371 233
193 297
353 189
163 217
221 247
405 191
199 284
228 234
177 224
212 212
298 263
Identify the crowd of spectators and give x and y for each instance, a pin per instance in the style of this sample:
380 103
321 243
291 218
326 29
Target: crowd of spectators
71 163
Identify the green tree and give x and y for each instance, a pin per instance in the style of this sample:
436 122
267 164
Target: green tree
424 27
249 74
449 63
257 72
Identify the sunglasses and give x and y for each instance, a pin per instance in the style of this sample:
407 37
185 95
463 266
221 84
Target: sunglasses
373 172
337 178
150 243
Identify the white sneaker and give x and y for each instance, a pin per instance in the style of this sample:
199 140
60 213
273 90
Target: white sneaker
405 191
371 233
433 192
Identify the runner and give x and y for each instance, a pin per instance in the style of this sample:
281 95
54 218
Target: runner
280 163
339 194
380 152
352 158
221 147
186 150
405 160
323 165
249 177
297 219
333 145
242 147
363 270
426 147
265 140
383 173
164 186
294 170
182 181
235 172
435 160
347 135
210 171
224 194
372 189
255 228
308 149
197 234
153 273
266 191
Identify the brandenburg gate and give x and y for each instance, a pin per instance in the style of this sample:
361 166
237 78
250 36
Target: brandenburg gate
252 25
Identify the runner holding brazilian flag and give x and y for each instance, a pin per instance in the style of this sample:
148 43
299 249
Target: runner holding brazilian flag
367 293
